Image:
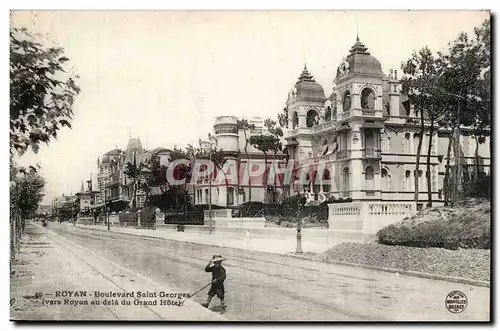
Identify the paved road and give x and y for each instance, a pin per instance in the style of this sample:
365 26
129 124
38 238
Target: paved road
265 287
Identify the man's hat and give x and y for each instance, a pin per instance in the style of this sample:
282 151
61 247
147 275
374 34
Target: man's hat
217 258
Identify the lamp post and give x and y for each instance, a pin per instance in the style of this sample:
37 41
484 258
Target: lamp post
105 207
299 238
211 139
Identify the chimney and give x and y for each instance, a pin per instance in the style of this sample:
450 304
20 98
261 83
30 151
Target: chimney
394 97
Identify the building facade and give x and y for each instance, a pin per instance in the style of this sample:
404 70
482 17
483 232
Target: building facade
359 142
117 190
365 134
240 156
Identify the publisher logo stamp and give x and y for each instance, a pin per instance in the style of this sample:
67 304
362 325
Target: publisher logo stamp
456 302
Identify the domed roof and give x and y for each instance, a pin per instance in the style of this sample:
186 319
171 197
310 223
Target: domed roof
306 87
361 62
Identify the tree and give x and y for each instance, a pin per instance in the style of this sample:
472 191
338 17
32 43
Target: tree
159 193
482 123
218 158
26 193
275 144
468 96
420 75
133 171
42 92
245 126
264 143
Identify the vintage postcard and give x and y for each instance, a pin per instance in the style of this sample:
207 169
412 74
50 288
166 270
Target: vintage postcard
250 166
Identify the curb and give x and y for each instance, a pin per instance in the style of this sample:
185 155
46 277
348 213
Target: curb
451 279
479 283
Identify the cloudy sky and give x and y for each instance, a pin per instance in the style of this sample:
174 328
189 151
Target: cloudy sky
164 75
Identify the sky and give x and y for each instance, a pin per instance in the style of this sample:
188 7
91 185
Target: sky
163 76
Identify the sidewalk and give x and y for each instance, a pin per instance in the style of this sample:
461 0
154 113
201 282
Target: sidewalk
231 240
49 264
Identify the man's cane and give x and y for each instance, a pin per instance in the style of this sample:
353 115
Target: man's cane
201 289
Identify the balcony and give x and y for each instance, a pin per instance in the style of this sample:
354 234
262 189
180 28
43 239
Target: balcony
324 126
113 180
345 194
299 131
372 153
358 112
344 154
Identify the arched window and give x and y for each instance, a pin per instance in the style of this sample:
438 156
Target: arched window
307 184
312 118
316 182
328 114
345 181
386 141
384 174
407 148
326 181
295 120
416 138
230 196
346 101
367 98
369 178
408 185
421 181
334 114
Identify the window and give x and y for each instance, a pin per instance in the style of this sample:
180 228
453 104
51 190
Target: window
369 178
421 180
345 182
230 196
328 114
416 137
206 195
408 185
316 182
407 148
312 118
346 102
367 98
384 174
295 122
326 181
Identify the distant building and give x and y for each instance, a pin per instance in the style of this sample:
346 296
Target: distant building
87 198
64 202
114 186
232 141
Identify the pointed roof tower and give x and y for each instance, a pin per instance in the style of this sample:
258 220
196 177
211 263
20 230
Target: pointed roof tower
361 61
307 87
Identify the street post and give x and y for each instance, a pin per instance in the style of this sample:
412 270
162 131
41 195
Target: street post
299 237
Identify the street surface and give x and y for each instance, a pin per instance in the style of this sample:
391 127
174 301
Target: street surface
49 269
272 287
